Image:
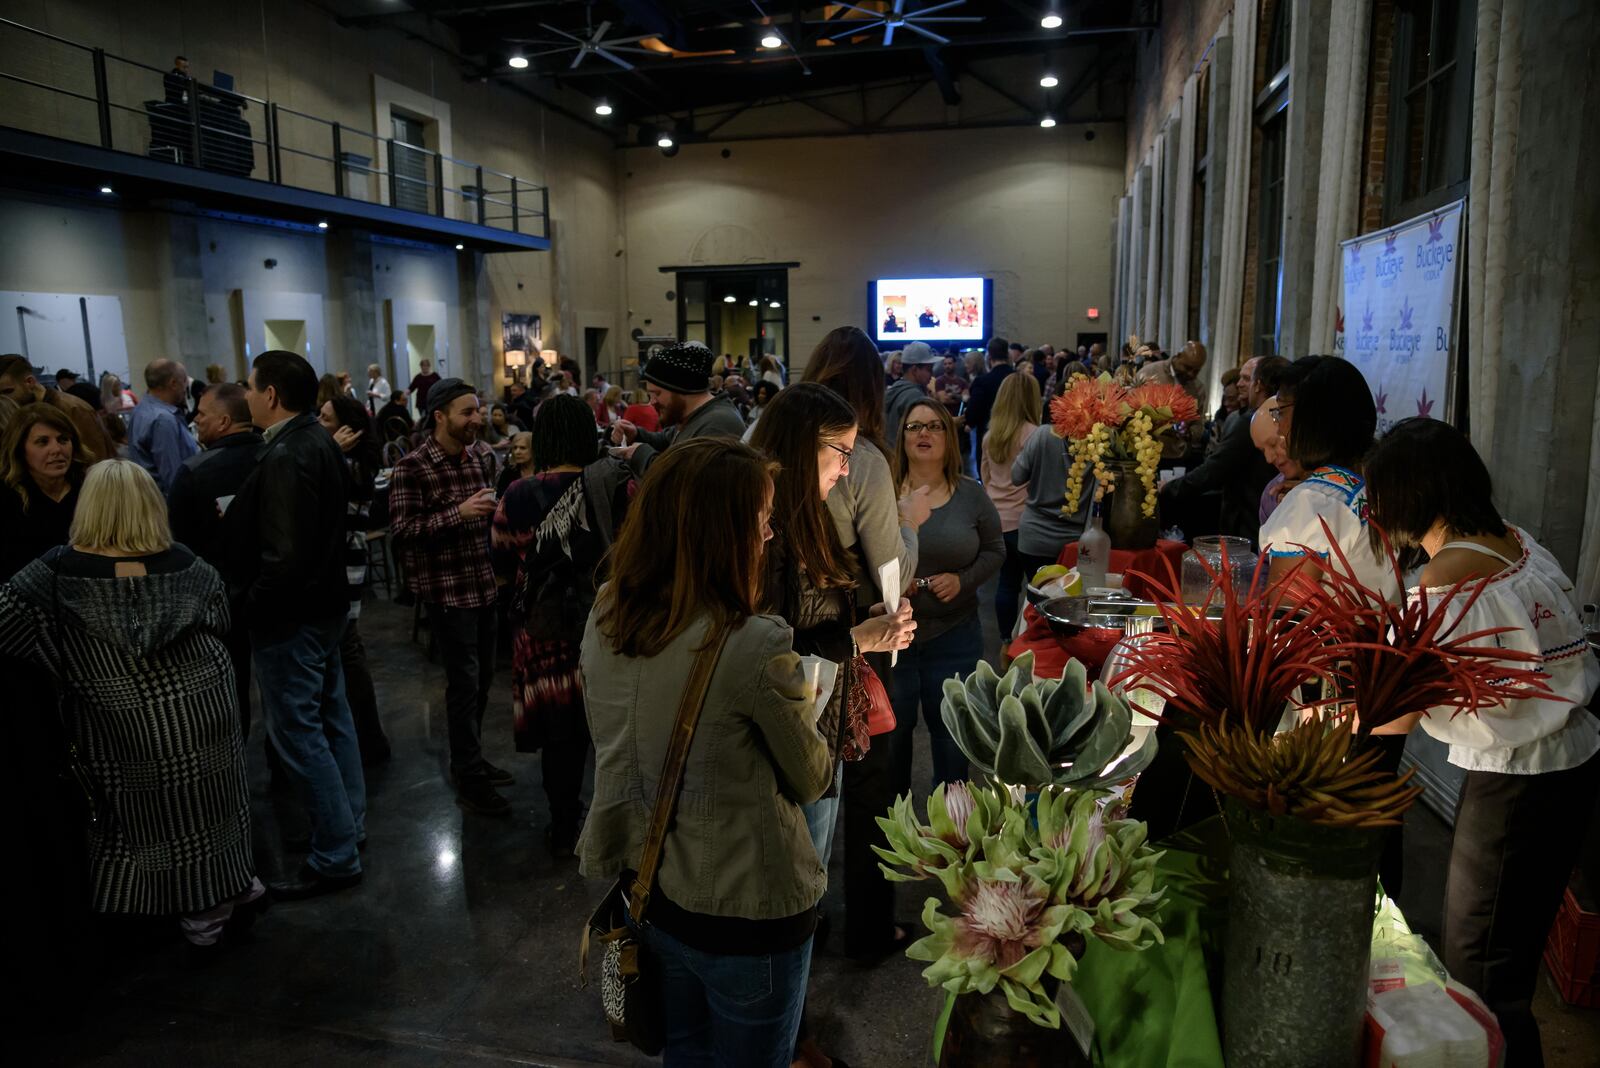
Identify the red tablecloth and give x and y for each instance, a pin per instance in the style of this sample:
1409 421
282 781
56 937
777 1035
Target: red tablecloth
1050 653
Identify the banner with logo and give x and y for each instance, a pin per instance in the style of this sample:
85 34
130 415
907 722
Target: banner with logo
1399 312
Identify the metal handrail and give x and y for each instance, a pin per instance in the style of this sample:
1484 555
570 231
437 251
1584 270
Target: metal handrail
275 148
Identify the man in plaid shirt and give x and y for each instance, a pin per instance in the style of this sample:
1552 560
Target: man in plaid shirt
441 500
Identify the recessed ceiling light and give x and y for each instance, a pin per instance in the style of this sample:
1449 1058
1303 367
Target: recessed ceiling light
775 304
771 40
602 108
1049 81
729 299
755 303
460 247
664 141
517 62
1051 21
322 224
1047 122
107 190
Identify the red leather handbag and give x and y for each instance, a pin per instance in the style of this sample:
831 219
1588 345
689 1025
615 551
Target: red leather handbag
870 692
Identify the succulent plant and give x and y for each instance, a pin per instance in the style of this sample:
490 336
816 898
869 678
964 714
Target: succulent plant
1028 882
1032 732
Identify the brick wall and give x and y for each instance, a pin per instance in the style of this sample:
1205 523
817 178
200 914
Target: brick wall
1163 61
1375 138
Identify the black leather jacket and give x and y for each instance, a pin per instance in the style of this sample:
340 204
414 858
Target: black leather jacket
218 471
286 532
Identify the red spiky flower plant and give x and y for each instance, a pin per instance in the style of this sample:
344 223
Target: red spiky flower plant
1229 676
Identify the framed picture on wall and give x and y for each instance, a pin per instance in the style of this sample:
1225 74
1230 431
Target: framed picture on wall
521 332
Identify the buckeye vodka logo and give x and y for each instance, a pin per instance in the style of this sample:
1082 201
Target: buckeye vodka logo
1404 341
1436 253
1390 262
1367 337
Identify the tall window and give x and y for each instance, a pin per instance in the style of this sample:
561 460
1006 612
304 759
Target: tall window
1431 105
411 178
1272 117
1199 323
736 310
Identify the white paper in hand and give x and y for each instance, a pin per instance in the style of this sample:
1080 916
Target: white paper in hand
821 676
889 583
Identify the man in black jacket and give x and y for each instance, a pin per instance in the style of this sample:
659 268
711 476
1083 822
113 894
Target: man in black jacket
286 538
202 491
986 387
1234 469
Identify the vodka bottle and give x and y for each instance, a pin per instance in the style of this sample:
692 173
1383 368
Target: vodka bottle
1094 551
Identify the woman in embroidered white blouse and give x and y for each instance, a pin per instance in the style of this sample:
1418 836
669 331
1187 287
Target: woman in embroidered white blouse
1326 419
1531 768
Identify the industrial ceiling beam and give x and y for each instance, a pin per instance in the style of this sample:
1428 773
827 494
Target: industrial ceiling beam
941 74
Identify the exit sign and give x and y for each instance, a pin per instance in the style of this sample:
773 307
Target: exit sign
1093 313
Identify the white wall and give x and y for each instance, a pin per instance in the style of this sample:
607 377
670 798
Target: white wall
1027 207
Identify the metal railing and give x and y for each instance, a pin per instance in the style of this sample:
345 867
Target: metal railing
210 128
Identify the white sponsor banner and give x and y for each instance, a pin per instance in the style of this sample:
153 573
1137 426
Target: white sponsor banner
1398 317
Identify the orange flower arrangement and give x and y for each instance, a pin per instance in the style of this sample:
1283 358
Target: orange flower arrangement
1102 420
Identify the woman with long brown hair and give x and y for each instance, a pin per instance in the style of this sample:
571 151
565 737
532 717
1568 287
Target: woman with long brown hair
874 527
1011 424
41 468
959 549
734 906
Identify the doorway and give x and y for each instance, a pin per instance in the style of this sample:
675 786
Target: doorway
736 311
421 343
286 334
594 341
410 180
1089 340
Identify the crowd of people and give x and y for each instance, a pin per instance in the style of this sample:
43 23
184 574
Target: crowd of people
219 538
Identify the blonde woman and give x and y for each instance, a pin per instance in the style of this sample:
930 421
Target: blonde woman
131 628
1011 424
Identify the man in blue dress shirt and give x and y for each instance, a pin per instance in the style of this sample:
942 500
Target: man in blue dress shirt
158 437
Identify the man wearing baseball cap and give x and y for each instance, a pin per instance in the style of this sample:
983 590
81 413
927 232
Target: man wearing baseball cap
678 380
916 364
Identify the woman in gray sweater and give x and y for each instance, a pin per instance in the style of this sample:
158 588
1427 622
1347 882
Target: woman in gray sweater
959 548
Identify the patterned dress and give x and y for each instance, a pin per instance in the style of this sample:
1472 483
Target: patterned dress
148 693
545 525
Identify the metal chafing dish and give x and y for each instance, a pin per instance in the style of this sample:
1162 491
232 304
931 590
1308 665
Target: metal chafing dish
1103 617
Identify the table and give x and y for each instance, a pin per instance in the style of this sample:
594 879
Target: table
1051 652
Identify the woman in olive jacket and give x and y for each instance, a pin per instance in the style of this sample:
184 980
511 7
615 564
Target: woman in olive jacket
734 908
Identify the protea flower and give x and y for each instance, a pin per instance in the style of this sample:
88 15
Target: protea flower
1001 922
1169 402
1088 401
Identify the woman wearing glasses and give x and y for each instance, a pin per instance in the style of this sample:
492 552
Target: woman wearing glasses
959 548
1326 421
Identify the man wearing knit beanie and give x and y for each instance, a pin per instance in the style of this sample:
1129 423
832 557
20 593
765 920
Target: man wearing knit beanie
678 380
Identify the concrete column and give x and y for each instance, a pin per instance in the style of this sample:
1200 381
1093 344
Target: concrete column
477 361
1139 248
1220 86
569 339
183 303
350 270
1543 454
1308 82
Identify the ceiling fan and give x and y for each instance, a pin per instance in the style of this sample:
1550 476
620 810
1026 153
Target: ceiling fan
593 43
897 18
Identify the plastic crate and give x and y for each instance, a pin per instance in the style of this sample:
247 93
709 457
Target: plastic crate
1572 953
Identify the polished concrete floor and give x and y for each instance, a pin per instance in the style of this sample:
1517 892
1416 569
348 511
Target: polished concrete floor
460 946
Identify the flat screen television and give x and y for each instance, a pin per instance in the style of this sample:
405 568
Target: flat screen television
944 310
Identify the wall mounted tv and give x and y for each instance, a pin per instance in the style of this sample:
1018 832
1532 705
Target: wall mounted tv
944 310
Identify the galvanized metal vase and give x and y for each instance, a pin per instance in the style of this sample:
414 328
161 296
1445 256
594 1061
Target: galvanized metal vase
1126 523
1301 898
986 1032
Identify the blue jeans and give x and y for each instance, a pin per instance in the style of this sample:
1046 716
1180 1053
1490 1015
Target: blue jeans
727 1010
919 683
822 816
309 722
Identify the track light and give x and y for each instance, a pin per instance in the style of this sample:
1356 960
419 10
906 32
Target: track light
1049 81
517 62
1047 122
1050 21
771 40
602 108
664 141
